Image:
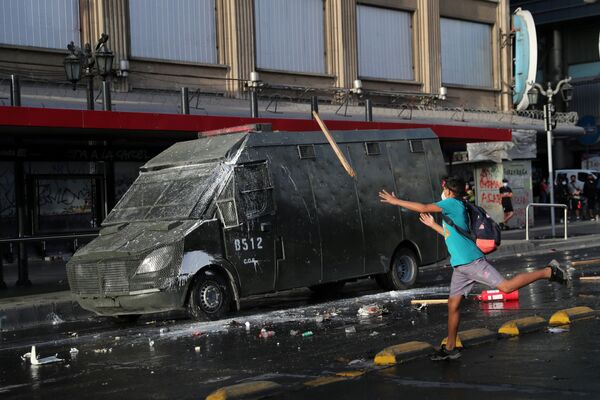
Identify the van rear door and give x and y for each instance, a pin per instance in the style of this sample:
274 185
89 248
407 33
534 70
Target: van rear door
246 209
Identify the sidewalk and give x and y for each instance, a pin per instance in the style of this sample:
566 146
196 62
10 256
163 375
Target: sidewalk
47 301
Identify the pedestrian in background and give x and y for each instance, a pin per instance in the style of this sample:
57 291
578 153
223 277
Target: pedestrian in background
469 193
590 192
543 187
574 197
561 193
506 194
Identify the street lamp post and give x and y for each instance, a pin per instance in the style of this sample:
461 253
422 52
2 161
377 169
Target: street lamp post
566 91
82 62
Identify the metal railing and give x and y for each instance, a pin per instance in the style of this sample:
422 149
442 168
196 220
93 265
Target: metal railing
531 205
23 265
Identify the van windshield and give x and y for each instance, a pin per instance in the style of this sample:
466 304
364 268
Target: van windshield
162 195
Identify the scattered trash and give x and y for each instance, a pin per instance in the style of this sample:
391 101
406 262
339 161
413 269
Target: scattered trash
412 321
307 334
247 324
558 330
73 334
371 310
421 307
151 342
498 295
35 360
103 350
197 349
55 319
319 319
589 278
278 343
374 333
350 329
357 361
164 330
196 333
265 334
117 338
294 333
73 352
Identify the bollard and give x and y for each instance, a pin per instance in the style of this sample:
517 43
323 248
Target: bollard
253 103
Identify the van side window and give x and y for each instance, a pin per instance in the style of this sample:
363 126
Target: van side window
416 146
372 148
254 186
227 207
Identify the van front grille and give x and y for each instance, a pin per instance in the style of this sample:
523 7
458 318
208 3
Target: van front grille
100 278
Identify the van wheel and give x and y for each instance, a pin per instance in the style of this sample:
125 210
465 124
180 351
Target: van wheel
210 298
403 272
327 289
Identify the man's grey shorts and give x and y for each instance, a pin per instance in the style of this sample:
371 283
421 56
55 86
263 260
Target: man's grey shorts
464 276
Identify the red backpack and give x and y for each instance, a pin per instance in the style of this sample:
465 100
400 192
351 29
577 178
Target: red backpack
483 230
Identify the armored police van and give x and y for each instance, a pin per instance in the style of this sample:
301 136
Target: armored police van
213 220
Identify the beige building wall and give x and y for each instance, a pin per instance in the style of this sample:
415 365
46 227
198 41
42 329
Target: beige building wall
236 52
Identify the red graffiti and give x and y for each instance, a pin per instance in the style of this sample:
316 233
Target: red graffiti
491 198
487 181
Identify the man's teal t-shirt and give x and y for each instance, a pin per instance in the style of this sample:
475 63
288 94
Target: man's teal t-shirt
462 249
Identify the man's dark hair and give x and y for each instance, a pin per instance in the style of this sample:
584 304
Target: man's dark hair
456 185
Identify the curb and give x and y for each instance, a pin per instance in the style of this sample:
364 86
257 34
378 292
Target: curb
565 317
340 376
473 337
242 390
519 326
403 352
40 313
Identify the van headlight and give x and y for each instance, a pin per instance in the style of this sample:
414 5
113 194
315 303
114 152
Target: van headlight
157 260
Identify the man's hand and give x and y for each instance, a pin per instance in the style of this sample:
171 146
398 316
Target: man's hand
427 219
386 197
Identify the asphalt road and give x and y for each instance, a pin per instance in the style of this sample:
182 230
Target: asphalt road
180 359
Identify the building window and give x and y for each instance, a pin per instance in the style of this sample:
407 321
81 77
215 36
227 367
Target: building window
182 30
290 35
39 23
584 70
384 34
466 53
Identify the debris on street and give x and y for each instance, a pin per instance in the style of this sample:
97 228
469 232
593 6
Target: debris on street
371 310
197 349
558 330
428 301
585 262
265 334
294 332
307 334
247 324
35 360
589 278
73 352
350 329
151 342
164 330
103 350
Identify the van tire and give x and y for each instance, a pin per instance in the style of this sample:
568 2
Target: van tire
403 272
327 289
210 297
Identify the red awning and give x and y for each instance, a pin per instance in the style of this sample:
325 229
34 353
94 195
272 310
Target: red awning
40 118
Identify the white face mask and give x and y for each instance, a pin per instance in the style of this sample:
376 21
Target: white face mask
443 196
505 184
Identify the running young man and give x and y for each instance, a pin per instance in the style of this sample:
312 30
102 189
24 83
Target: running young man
468 262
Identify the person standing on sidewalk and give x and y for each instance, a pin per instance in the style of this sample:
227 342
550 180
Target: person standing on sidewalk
590 192
468 262
506 194
574 196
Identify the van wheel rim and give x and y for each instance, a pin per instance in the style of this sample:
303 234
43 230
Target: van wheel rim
405 269
211 297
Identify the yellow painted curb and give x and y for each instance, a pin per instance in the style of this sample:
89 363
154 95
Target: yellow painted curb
402 352
565 317
473 337
351 374
243 389
517 327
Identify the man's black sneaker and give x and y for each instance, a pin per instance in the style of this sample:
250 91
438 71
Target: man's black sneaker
559 273
444 354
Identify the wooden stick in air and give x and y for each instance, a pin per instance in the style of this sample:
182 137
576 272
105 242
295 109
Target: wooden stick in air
589 278
429 301
586 262
334 145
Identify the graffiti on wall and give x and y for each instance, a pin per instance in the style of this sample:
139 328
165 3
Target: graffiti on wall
488 181
518 174
64 196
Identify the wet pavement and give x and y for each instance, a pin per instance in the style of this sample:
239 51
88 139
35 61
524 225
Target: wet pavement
178 358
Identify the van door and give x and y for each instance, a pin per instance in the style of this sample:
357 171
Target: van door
249 240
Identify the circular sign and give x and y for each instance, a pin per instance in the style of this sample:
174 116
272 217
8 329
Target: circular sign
592 134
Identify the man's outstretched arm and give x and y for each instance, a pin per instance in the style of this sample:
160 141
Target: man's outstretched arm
391 198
